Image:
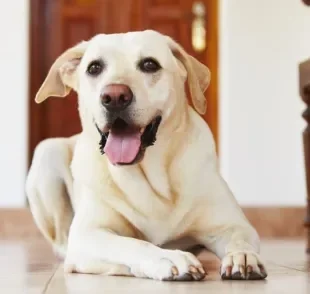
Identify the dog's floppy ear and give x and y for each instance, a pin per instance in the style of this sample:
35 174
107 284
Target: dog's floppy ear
62 76
198 75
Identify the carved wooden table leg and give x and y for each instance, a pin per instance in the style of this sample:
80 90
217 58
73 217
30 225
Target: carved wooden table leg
306 139
304 79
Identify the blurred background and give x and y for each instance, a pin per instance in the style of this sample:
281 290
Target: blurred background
253 49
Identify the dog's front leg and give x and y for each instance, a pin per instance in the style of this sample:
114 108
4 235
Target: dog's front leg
103 252
101 242
224 229
237 248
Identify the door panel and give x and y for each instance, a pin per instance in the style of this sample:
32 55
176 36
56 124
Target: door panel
174 18
76 21
59 24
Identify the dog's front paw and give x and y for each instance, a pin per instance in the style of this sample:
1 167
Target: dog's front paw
172 265
242 266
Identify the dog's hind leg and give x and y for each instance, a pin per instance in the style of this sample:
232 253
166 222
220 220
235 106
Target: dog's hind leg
49 190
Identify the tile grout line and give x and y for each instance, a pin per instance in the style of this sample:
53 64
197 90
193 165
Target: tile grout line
50 279
288 267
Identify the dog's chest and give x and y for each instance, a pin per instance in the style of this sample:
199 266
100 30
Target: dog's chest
148 202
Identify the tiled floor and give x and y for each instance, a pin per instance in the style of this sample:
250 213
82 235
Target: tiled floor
30 267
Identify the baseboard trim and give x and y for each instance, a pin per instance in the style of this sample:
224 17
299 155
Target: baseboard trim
270 222
17 223
277 222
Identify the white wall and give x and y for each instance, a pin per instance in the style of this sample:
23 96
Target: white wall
261 44
13 103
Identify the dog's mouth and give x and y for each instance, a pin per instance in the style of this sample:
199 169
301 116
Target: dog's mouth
125 144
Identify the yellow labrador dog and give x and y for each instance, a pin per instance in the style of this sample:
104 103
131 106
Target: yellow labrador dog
143 171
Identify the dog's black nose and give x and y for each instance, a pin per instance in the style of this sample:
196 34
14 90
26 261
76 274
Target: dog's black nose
116 97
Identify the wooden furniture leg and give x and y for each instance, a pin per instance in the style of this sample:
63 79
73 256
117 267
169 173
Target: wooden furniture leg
304 86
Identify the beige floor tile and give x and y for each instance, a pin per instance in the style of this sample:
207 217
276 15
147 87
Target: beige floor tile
31 267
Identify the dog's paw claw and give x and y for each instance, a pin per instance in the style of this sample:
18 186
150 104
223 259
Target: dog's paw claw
237 276
175 271
185 277
242 266
254 276
175 265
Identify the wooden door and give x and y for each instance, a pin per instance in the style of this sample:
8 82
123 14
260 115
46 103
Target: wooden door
58 24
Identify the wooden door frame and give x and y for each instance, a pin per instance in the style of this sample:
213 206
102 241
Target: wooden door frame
212 8
38 69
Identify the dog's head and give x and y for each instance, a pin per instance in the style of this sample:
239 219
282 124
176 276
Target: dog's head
128 84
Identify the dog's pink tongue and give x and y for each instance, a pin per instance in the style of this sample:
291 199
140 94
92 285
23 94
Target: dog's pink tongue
122 147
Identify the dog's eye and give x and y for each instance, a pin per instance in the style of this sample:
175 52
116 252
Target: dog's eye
95 68
149 65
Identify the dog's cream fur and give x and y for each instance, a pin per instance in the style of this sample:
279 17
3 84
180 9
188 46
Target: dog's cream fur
113 219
